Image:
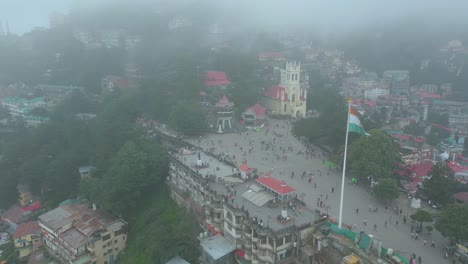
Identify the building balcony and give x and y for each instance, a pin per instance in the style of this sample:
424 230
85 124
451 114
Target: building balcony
254 251
265 246
218 220
255 239
218 209
265 258
248 235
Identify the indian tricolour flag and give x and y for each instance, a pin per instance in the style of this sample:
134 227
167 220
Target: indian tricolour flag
354 123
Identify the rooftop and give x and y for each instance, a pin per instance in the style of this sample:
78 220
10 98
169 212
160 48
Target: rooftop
461 196
217 246
14 214
177 260
84 219
279 187
257 110
28 228
74 238
207 166
269 215
277 92
215 78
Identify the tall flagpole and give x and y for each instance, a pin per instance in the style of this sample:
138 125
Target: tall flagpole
340 220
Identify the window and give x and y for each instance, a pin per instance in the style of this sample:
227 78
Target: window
116 249
104 246
109 243
115 241
288 239
105 253
109 251
106 237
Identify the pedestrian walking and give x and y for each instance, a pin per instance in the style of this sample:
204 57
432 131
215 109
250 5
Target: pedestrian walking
396 223
333 189
404 219
412 235
416 236
419 260
433 243
315 185
424 242
365 222
385 224
357 210
375 227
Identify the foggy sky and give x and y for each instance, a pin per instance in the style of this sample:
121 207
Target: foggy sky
337 15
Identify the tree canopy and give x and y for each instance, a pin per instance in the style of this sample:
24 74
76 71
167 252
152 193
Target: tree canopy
421 216
372 155
386 190
439 188
329 128
452 222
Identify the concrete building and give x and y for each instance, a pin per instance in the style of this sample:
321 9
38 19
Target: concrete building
20 107
251 214
397 81
27 238
373 94
217 250
287 98
57 19
458 121
75 233
254 116
25 196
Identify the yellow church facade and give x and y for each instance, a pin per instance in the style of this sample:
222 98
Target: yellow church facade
287 98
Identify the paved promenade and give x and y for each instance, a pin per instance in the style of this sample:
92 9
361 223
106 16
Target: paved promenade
276 150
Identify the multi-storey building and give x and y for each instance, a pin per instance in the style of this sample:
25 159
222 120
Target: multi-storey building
76 233
19 107
288 98
373 94
27 238
56 19
262 218
397 81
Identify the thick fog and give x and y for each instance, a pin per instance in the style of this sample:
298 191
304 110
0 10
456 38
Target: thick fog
324 16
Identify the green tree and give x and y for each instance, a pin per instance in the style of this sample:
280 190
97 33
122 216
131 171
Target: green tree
386 190
329 128
452 222
137 168
188 118
373 155
439 188
421 216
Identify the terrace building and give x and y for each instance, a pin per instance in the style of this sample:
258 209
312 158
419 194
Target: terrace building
262 218
76 233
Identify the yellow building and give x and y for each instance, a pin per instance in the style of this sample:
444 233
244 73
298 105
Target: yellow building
287 98
77 233
27 238
25 196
